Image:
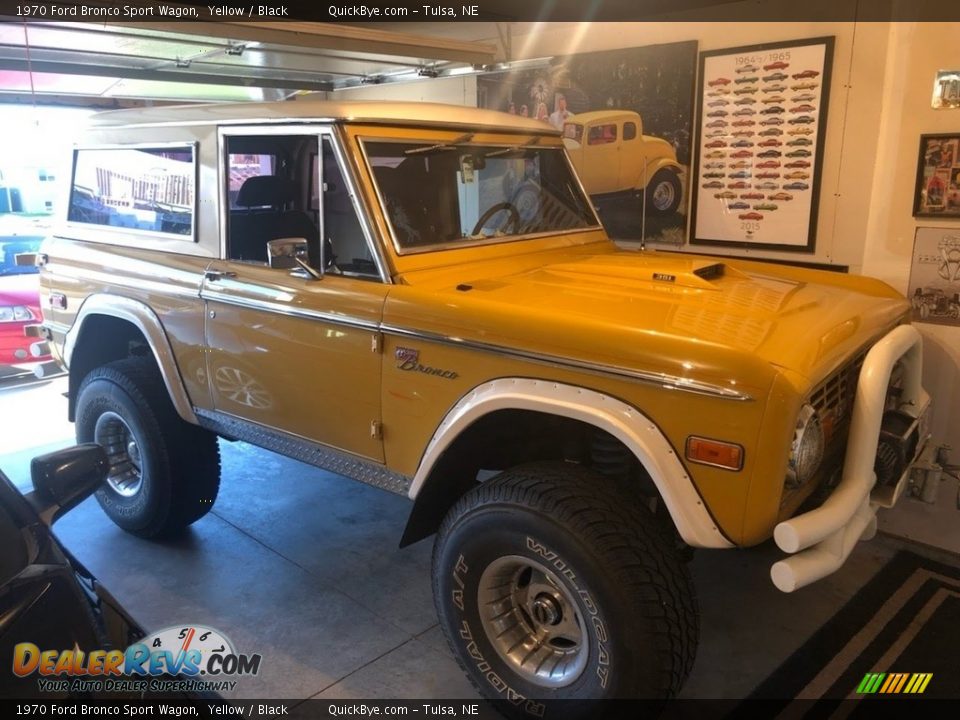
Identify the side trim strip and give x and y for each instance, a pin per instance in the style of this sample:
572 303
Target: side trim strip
668 382
291 310
298 448
663 380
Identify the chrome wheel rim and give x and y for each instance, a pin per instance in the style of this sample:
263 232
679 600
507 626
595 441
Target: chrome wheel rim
123 451
532 621
663 195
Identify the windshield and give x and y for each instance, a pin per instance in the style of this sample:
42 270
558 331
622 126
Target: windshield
451 194
10 248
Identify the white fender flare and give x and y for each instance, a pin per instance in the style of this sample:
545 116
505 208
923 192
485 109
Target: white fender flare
144 319
626 423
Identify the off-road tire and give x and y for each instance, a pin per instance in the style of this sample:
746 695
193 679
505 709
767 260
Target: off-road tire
180 462
609 551
663 185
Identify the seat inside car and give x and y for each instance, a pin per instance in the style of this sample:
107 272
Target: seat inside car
265 215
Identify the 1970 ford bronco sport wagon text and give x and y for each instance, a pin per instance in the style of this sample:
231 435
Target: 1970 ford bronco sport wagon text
421 297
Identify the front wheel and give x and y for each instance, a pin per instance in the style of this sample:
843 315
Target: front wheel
663 193
552 585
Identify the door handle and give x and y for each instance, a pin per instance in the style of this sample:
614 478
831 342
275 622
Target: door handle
214 275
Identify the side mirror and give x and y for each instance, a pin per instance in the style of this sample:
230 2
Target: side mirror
283 252
64 479
292 254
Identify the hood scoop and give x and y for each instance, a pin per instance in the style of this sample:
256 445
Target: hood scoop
710 272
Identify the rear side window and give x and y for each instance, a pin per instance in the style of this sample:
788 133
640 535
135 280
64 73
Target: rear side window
629 130
136 188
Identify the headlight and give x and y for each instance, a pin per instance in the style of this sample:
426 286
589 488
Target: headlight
806 452
15 313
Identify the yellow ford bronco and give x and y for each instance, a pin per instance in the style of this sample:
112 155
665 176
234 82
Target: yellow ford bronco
422 298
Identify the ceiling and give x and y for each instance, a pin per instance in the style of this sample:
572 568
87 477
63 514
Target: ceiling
214 61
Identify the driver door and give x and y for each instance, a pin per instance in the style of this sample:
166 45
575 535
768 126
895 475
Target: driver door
286 350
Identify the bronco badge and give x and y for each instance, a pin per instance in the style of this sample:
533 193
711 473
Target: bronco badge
408 360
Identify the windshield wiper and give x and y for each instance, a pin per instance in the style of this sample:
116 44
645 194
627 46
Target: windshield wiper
452 145
517 148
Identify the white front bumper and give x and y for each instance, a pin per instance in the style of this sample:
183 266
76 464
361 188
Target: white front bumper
821 540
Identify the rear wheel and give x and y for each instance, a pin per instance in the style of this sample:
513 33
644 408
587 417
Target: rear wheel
550 584
663 192
164 472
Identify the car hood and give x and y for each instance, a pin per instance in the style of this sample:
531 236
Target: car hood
683 314
20 290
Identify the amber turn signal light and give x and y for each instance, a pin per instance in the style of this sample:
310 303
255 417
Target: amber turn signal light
705 451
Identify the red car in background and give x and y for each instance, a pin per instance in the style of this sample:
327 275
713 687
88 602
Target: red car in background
19 300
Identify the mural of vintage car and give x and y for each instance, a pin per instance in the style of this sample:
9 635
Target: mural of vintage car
751 216
765 206
719 81
613 157
775 120
773 99
738 206
805 74
800 141
780 196
798 164
771 132
802 119
774 88
801 131
746 69
772 110
796 186
804 86
773 77
799 153
777 65
770 142
804 108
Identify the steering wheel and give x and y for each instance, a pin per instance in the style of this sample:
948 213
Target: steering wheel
513 221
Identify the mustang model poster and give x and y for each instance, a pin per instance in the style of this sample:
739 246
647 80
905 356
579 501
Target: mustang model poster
761 111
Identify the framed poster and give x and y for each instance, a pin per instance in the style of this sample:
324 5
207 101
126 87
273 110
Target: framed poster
935 276
761 113
937 193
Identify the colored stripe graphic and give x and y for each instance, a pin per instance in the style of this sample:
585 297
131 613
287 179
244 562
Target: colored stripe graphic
894 683
870 683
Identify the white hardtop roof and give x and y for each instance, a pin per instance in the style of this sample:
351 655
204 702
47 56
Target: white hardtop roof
376 112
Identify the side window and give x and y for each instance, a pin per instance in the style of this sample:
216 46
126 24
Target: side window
341 226
602 134
267 186
629 130
147 189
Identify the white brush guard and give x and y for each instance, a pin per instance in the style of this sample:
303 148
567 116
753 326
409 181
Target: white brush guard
821 540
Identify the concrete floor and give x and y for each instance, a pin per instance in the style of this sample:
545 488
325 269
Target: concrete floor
302 566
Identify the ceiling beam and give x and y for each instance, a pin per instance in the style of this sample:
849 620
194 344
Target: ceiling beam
180 76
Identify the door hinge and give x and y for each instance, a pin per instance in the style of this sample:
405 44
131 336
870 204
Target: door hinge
376 430
376 343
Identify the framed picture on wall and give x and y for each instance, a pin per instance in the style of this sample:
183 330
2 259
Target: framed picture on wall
761 114
937 193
